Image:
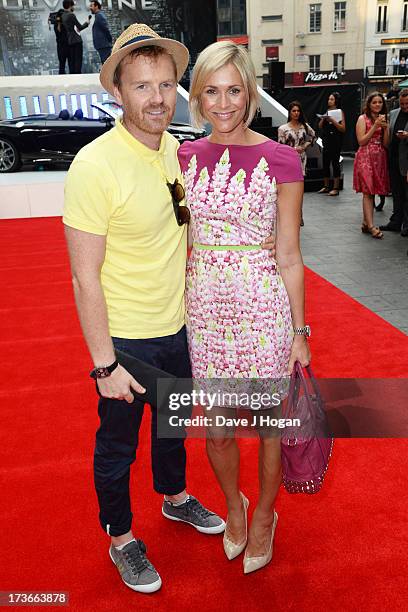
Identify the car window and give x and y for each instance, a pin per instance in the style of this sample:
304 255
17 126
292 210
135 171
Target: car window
114 107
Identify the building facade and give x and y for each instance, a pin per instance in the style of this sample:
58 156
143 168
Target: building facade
318 41
386 39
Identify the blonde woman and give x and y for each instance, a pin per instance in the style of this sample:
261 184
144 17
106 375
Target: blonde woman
245 310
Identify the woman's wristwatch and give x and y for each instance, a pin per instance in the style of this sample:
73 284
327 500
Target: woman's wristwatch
303 331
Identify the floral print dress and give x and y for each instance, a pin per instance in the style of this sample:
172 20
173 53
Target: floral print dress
237 309
297 137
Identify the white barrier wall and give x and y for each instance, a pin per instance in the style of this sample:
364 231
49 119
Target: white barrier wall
25 95
49 94
33 194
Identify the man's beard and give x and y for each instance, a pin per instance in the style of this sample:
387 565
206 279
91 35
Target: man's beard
148 124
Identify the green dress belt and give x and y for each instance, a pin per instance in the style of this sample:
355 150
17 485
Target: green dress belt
226 247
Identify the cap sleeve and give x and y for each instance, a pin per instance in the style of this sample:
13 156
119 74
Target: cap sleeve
184 155
286 165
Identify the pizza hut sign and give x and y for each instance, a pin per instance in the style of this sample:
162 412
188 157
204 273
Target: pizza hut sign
322 76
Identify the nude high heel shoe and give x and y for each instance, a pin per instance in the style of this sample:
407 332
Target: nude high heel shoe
231 549
251 564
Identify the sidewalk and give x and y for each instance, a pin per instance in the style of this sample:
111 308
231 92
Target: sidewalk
374 272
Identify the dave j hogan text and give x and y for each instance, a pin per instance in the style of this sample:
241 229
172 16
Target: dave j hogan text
258 419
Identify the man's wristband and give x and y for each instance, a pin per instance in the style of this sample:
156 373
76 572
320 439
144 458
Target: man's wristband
104 371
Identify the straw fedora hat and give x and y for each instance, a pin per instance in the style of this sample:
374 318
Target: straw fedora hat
140 35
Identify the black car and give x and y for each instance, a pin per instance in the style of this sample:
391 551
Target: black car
58 138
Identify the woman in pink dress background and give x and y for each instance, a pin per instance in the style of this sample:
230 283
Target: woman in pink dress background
371 174
242 305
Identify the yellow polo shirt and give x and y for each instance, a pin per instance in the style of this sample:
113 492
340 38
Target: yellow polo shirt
116 187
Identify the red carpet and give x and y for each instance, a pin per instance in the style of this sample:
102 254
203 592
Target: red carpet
343 549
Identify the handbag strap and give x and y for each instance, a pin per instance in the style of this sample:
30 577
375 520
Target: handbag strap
310 377
292 393
298 379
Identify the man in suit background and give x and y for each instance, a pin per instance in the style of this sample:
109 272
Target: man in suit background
73 27
398 162
102 38
62 40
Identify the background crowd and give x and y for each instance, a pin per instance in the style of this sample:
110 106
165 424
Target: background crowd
381 161
382 129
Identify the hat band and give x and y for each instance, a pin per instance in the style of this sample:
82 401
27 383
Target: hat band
137 39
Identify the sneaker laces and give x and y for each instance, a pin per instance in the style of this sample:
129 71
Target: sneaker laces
193 505
135 556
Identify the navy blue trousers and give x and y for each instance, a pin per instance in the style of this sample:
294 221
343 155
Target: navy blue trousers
118 436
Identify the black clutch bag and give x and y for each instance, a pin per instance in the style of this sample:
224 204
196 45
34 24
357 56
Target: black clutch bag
158 383
161 388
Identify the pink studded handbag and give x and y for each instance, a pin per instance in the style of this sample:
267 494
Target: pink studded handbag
305 448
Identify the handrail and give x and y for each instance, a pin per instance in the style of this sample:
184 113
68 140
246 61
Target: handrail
386 70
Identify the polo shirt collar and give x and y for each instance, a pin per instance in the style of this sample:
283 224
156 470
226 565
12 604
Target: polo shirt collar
138 147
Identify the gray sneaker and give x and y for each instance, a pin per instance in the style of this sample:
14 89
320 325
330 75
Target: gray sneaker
195 514
134 567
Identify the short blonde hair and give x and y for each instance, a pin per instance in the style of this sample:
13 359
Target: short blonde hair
214 57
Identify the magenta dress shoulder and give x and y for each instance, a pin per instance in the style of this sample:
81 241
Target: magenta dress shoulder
237 309
370 173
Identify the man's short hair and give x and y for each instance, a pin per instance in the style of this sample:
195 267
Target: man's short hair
68 3
404 93
153 51
98 4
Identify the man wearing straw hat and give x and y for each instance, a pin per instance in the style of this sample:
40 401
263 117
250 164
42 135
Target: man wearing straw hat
126 234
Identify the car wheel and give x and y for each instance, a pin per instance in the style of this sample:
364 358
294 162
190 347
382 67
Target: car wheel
9 156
